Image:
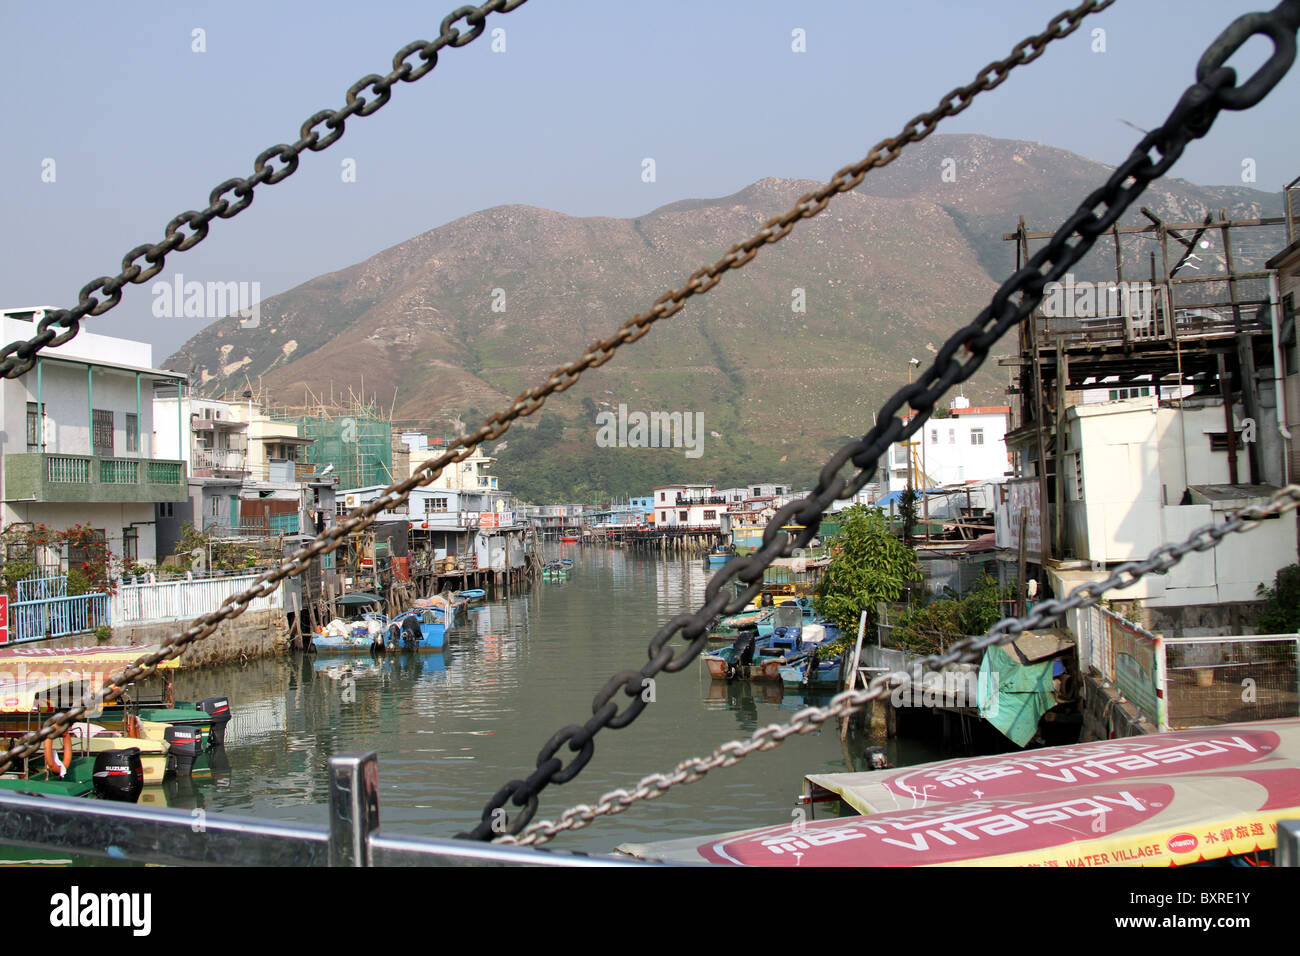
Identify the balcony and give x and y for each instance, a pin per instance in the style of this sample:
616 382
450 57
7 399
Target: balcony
59 478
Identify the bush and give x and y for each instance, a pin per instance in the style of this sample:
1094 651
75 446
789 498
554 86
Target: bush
930 628
1281 614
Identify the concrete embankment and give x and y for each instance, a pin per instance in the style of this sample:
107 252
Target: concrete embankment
258 633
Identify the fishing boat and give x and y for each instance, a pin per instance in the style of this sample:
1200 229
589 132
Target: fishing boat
556 570
359 636
729 628
419 629
156 761
570 535
791 612
812 672
1210 795
721 555
473 595
752 657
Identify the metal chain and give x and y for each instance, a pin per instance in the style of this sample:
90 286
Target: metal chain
319 131
596 355
847 703
1214 91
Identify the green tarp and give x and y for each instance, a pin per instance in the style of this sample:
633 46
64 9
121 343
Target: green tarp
1012 695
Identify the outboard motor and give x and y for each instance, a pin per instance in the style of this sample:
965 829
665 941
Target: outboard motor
218 708
118 775
185 744
411 633
742 655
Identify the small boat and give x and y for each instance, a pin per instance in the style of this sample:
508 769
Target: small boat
156 760
570 535
810 672
558 569
752 657
419 629
352 637
721 555
473 595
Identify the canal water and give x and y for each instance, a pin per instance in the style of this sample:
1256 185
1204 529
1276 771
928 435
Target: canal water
451 728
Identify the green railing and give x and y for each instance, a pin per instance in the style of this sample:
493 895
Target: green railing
67 470
119 471
166 473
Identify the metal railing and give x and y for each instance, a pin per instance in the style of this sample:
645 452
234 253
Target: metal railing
161 835
1221 680
119 471
181 600
58 616
66 469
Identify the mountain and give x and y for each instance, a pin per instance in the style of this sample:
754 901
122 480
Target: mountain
887 272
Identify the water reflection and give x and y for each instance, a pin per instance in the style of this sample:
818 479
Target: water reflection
451 728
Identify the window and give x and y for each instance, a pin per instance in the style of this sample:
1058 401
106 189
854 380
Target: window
78 556
1118 394
435 506
977 436
130 544
710 516
166 509
35 427
132 432
103 432
683 515
1219 441
663 516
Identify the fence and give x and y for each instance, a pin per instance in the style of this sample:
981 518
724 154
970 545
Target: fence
1127 655
183 600
1220 680
166 836
58 616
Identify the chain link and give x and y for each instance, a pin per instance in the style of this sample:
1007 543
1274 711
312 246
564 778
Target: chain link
847 703
776 543
1190 119
235 195
606 714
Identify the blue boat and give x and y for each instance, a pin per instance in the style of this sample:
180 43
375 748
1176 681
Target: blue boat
360 636
721 555
473 595
419 629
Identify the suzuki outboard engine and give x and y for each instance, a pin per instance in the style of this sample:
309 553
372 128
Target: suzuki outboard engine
185 744
742 655
119 775
218 708
411 633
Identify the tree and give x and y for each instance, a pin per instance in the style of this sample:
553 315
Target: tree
907 511
869 564
1281 613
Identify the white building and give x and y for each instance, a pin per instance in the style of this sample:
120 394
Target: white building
968 445
697 507
1139 474
78 441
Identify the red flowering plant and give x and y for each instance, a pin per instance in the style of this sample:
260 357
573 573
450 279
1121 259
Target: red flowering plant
26 548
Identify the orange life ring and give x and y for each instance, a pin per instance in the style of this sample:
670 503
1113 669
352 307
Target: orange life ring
51 761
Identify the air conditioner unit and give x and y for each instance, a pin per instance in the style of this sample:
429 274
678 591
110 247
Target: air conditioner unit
351 501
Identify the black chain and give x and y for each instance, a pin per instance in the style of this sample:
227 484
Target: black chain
320 131
1215 90
597 354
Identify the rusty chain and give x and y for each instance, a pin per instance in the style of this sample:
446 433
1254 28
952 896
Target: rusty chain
1215 90
561 379
847 703
319 131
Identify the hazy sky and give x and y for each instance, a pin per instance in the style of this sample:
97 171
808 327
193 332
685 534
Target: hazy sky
141 127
